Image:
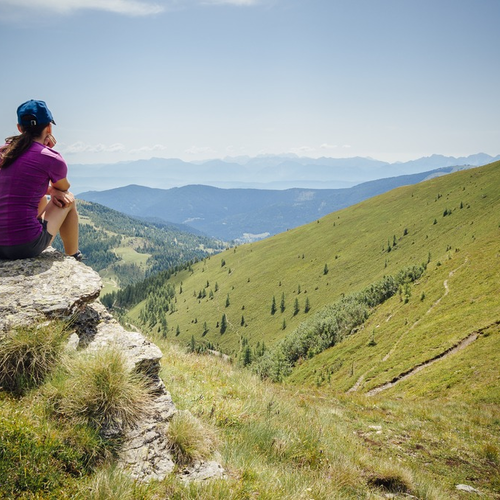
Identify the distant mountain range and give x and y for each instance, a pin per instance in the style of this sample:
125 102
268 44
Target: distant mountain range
261 172
244 215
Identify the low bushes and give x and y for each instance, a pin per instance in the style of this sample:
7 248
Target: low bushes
331 325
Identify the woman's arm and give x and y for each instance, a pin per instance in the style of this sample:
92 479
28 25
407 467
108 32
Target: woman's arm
59 193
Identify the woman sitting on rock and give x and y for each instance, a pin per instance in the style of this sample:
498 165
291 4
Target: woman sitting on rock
29 170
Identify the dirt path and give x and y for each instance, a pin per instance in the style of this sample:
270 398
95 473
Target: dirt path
360 380
452 350
433 306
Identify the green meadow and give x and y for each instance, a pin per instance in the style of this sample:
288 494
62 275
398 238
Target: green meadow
404 403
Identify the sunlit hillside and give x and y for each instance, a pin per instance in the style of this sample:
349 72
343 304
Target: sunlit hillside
451 224
418 379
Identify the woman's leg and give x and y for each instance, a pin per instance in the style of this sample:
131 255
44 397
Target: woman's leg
65 222
42 205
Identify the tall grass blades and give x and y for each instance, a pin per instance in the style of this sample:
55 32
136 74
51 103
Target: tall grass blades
98 389
28 354
189 439
112 484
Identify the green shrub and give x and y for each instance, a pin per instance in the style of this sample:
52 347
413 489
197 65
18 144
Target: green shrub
28 354
332 324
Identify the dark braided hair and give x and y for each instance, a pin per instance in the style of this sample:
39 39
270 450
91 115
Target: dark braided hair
16 145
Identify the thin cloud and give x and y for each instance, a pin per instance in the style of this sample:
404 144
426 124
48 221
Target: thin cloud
125 7
82 147
328 146
148 149
302 150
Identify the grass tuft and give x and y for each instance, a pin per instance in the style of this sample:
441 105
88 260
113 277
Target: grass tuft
189 439
29 354
99 390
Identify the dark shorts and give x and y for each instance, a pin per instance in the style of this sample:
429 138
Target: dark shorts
28 250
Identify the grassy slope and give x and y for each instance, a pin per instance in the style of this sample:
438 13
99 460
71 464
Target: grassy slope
443 421
135 235
126 252
353 243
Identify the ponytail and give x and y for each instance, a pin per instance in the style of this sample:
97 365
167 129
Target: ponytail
18 144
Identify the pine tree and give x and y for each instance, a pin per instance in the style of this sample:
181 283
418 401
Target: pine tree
223 324
228 303
247 355
307 307
273 305
296 307
282 305
325 269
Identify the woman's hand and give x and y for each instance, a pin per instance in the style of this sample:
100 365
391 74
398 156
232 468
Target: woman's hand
50 141
60 198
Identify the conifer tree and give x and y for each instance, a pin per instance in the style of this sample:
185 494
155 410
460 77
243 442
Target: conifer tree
223 324
247 355
282 305
296 307
307 307
273 305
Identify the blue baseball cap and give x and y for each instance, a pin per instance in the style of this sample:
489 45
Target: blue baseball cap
33 113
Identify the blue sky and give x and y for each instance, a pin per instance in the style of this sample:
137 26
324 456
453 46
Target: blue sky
195 79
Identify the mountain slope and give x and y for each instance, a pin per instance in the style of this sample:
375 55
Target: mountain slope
237 214
124 249
450 223
261 172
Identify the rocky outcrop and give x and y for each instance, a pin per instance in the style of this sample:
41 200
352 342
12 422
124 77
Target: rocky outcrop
49 286
54 286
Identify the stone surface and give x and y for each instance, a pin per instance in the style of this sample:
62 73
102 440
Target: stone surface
54 286
48 286
468 489
200 471
145 454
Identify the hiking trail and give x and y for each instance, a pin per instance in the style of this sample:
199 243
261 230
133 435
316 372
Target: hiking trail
461 345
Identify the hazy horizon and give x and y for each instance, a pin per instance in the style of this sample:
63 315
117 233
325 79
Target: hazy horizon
202 79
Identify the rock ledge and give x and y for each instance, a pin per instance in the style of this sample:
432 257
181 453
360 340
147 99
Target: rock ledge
54 286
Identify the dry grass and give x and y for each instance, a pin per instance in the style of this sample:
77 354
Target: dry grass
98 389
189 439
28 354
